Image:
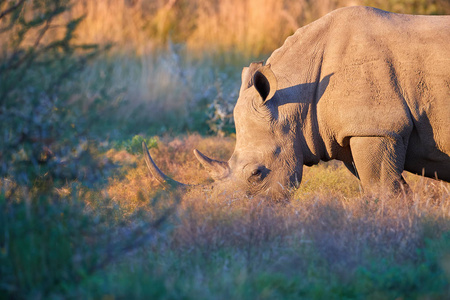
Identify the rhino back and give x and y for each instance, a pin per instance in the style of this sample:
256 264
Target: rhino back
370 73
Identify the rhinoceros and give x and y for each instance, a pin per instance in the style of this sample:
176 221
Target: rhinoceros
364 86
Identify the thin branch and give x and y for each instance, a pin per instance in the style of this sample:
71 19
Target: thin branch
35 45
11 9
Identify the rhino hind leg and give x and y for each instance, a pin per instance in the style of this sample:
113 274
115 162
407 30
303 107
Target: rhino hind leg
379 163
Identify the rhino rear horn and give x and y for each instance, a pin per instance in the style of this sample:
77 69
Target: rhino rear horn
265 82
157 173
217 169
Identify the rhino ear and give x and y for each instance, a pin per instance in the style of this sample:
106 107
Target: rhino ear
247 75
265 82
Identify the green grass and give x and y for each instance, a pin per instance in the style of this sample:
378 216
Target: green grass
329 242
321 248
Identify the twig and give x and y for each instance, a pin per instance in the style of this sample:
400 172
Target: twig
11 9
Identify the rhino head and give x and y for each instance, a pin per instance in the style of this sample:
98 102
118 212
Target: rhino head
267 158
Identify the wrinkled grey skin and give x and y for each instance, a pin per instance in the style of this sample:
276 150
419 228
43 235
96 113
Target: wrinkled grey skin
360 85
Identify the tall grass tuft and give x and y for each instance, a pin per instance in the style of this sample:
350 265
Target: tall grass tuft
330 241
176 63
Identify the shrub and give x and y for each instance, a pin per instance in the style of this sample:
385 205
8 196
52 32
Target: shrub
54 231
45 133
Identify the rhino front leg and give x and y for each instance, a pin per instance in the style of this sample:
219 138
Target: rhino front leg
379 162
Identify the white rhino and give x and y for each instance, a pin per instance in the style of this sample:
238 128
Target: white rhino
364 86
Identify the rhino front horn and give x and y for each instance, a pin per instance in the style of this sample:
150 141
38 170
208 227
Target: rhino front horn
157 173
217 169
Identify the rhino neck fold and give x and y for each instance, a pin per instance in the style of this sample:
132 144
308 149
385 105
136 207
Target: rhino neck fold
312 144
296 103
304 79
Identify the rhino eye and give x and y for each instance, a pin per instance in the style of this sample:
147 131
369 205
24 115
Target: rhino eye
256 172
256 175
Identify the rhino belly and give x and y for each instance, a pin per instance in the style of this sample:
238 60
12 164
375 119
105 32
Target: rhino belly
423 157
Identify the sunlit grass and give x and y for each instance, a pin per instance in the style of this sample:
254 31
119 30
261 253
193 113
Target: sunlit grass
329 239
251 27
326 185
142 26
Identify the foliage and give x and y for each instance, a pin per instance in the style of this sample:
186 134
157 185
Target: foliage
134 146
220 111
56 228
50 246
44 131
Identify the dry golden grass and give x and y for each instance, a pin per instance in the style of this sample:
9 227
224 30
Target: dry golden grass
328 210
174 156
251 27
338 229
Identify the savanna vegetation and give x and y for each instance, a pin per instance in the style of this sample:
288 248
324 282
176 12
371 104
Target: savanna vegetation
83 83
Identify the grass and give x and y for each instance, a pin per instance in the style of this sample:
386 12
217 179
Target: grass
168 70
211 25
170 92
329 242
141 26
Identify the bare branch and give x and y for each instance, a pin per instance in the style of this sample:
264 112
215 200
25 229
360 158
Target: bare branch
11 9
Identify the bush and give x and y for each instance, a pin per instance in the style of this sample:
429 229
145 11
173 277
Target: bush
50 245
134 146
45 133
56 227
